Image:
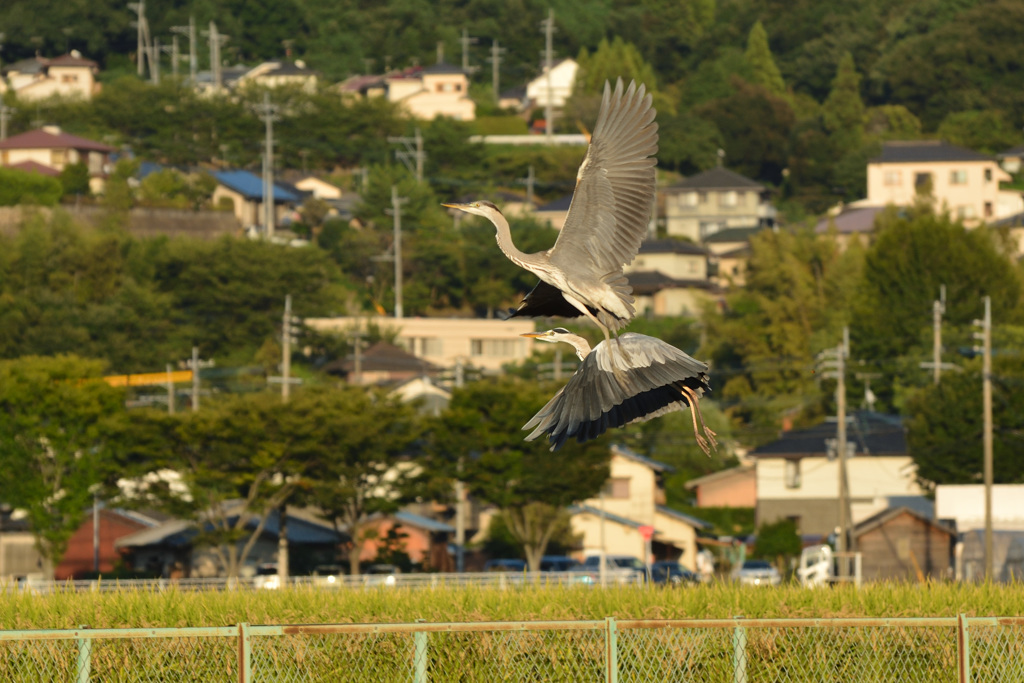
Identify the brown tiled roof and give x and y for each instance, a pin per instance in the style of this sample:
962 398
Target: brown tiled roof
41 139
35 167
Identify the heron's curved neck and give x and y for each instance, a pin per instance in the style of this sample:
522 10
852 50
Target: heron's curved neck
504 237
581 345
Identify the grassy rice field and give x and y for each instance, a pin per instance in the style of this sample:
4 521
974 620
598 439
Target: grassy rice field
170 608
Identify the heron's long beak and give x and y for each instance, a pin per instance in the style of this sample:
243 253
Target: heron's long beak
455 206
533 335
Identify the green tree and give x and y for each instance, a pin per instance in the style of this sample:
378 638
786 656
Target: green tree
984 131
909 259
57 425
762 64
843 109
778 541
21 187
75 179
365 469
944 421
531 486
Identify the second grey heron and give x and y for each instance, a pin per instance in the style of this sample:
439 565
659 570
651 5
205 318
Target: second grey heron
607 219
641 379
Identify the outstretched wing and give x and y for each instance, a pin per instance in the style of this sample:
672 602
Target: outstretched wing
631 378
615 186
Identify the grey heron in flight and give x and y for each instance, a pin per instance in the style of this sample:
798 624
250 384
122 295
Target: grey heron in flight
607 219
642 379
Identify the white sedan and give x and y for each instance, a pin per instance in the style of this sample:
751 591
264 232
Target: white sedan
757 573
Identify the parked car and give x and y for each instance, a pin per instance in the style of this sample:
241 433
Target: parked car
505 565
266 577
557 563
757 573
618 569
669 573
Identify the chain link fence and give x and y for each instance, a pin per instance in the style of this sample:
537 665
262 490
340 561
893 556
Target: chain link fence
929 650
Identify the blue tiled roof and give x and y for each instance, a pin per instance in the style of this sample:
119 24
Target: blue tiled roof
250 186
423 522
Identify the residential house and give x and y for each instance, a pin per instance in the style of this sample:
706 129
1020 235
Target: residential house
170 546
964 506
38 78
438 90
902 544
244 191
483 343
94 540
798 474
18 554
382 364
277 74
1010 159
670 277
54 149
849 222
961 180
734 487
634 497
728 253
563 78
714 200
321 189
423 539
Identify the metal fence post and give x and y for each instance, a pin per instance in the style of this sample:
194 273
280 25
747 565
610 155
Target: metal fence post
612 642
244 654
84 664
963 649
739 653
419 659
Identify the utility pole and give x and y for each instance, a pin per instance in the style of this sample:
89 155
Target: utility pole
495 67
413 154
836 358
357 356
175 56
190 31
530 180
466 42
154 61
549 29
938 309
141 44
170 391
195 379
268 114
216 39
460 493
396 208
286 348
986 397
5 115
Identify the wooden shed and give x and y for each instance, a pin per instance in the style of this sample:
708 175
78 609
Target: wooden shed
901 544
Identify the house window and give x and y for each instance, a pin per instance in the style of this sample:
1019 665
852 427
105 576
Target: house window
57 157
988 175
988 209
893 178
617 487
727 199
923 183
792 474
702 197
427 346
958 177
690 199
502 348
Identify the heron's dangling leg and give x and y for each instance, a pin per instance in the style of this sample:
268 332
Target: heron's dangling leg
695 414
582 308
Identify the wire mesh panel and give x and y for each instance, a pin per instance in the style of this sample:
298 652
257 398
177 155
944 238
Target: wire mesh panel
332 657
675 654
865 654
28 661
568 655
996 650
164 660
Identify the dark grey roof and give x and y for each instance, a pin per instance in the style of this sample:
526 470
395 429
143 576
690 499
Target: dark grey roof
851 220
671 246
717 179
872 433
442 68
646 282
1012 152
650 462
695 522
900 151
734 234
